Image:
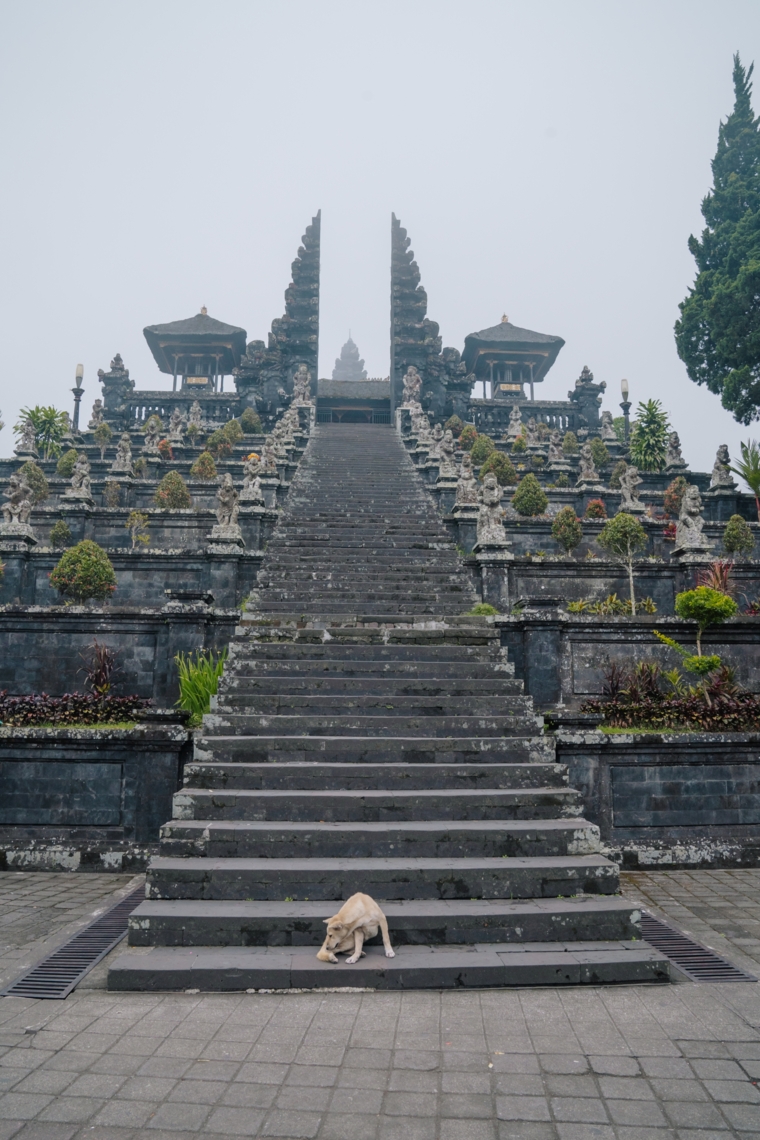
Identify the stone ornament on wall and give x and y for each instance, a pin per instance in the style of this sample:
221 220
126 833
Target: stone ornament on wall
122 464
252 493
80 487
96 419
607 429
588 476
436 438
689 537
447 463
176 428
302 387
412 388
227 532
467 487
630 481
153 430
674 460
721 478
490 514
515 423
26 446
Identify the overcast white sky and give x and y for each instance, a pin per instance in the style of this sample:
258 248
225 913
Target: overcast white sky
547 157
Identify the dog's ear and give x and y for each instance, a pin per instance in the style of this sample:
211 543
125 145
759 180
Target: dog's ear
326 921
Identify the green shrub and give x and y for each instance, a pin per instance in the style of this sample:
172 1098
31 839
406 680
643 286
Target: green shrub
529 499
623 537
738 537
140 467
137 524
112 493
570 443
502 468
467 437
60 535
706 607
233 431
84 572
649 436
599 452
673 496
595 509
198 676
454 425
219 444
35 477
567 531
617 471
483 609
562 480
172 493
102 436
250 422
519 445
482 448
65 465
204 467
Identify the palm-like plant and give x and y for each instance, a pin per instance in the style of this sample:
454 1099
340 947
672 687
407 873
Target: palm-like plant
748 468
649 437
50 426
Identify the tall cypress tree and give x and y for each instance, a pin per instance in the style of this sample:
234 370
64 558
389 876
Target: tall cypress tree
718 335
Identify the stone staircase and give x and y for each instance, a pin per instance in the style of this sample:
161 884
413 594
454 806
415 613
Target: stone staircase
368 735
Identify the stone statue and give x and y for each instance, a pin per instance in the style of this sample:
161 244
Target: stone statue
228 502
18 508
630 481
268 462
252 492
608 433
421 427
587 397
689 536
721 475
176 427
436 438
80 487
515 423
96 419
674 461
556 454
587 473
412 387
467 484
196 415
153 429
301 386
123 461
531 433
26 444
490 513
447 468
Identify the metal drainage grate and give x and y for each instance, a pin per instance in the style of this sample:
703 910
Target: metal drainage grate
57 975
697 962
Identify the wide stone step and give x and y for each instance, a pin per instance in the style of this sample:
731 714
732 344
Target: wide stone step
237 688
421 750
336 879
374 805
228 838
214 969
179 922
378 654
362 704
324 779
242 724
378 675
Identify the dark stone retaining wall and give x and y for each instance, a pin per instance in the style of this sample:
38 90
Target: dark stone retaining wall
81 799
669 799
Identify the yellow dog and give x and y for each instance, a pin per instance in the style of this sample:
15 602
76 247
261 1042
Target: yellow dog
358 919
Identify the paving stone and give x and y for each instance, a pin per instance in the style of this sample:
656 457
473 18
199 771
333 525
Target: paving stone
234 1121
75 1109
22 1106
408 1128
522 1108
125 1113
336 1126
292 1124
635 1112
467 1129
248 1095
179 1117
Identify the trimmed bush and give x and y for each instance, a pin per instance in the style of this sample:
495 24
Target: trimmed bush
482 448
502 468
467 437
454 425
599 452
65 465
71 708
595 509
204 467
233 431
570 443
519 445
738 537
567 531
172 493
623 537
250 422
529 499
617 471
140 467
84 572
112 493
35 477
673 496
61 536
102 436
706 607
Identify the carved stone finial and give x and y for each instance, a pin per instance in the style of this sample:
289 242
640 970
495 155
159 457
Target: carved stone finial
490 514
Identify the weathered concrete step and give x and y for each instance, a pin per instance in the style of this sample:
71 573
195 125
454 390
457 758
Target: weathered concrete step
364 630
227 838
385 654
383 610
377 675
335 879
413 968
325 779
241 724
178 922
236 688
375 805
421 750
364 704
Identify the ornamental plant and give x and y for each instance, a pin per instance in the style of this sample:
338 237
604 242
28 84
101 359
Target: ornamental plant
137 524
50 426
570 443
140 467
198 675
482 448
467 437
250 422
623 537
748 469
65 465
738 537
233 431
61 536
519 445
567 530
454 425
617 471
102 436
35 477
595 509
204 467
649 437
706 607
529 499
84 572
165 449
673 497
502 467
172 493
219 444
112 493
483 609
599 452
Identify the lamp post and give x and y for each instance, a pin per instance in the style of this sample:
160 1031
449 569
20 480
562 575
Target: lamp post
77 396
626 406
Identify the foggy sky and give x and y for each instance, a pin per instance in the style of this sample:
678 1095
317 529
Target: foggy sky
548 159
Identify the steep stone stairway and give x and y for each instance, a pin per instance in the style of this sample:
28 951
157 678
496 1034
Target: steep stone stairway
369 735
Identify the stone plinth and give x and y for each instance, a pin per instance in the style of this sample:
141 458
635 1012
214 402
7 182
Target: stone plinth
224 536
17 536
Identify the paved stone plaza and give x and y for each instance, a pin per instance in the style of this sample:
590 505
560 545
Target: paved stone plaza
622 1063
